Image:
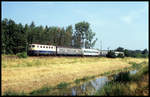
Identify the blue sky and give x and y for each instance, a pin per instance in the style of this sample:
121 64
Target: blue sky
116 24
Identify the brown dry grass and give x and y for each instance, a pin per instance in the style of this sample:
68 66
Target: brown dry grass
34 72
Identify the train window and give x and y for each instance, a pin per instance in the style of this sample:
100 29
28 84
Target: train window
51 47
46 46
38 46
33 45
41 46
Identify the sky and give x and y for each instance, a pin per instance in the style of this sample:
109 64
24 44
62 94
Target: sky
116 24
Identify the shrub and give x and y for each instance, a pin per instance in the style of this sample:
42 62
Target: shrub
62 85
145 70
77 81
111 54
122 77
22 55
120 56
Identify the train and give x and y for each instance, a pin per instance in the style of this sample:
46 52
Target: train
40 49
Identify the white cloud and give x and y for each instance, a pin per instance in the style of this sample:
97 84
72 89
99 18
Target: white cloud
95 19
133 15
127 19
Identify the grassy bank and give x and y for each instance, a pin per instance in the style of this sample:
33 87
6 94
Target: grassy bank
33 73
128 85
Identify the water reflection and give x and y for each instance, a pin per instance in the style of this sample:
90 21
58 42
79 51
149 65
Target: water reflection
90 87
133 72
74 92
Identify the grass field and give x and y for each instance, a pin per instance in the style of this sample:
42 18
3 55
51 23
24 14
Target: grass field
35 72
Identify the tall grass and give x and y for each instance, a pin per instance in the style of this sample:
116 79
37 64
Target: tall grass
141 72
42 91
113 89
62 85
13 93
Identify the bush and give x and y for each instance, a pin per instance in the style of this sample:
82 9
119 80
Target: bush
122 77
120 56
77 81
111 54
145 70
22 55
62 85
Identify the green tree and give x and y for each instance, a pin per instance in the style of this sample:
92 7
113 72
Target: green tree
11 28
53 35
126 53
61 37
145 51
89 36
26 29
4 35
39 35
44 36
68 36
81 28
19 39
120 49
30 34
83 35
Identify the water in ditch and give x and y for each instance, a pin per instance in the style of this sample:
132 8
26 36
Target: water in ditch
89 87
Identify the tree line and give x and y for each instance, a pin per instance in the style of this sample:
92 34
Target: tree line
134 53
128 53
17 37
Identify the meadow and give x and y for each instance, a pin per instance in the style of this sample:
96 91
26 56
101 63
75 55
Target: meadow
32 73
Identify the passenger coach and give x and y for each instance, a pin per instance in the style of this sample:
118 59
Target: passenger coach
90 52
69 51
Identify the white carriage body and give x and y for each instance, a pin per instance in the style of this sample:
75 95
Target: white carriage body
90 52
68 51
